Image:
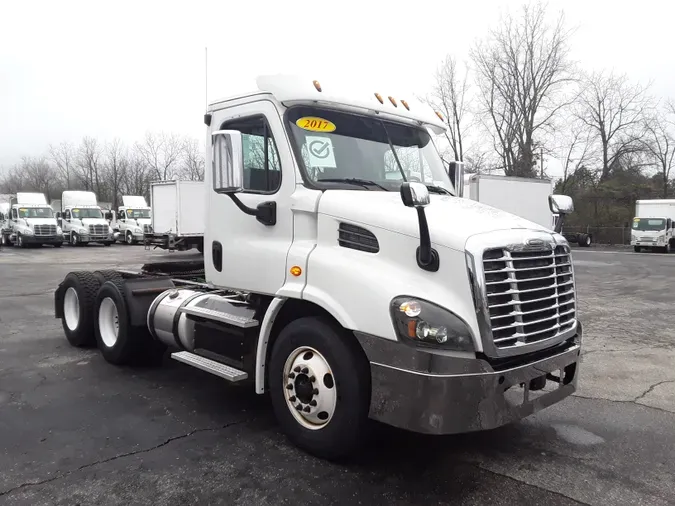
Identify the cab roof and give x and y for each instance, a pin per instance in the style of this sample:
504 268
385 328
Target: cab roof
294 90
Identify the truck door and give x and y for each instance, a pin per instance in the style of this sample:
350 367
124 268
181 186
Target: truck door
239 251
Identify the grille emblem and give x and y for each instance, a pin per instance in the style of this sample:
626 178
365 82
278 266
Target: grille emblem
534 242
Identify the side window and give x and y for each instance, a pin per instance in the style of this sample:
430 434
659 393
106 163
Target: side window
262 169
14 215
67 215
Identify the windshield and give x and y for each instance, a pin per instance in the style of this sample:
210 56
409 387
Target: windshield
649 224
87 213
348 151
135 214
36 212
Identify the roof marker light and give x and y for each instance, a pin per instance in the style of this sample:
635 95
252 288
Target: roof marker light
391 99
405 104
377 96
439 115
317 85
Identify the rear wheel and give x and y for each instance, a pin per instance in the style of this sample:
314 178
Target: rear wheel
119 342
77 306
319 381
586 240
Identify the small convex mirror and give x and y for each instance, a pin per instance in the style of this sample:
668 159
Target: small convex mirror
560 204
414 195
227 161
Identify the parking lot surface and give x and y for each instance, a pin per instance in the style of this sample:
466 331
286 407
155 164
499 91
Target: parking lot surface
76 430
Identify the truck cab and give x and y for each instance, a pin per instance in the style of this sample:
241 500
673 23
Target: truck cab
133 219
82 219
653 227
343 288
30 221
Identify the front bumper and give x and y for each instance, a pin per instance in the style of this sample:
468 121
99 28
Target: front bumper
436 394
42 239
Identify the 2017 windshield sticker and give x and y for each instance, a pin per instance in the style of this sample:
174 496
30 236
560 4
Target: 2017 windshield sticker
314 124
320 150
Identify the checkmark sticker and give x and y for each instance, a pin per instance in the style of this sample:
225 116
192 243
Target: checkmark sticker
320 151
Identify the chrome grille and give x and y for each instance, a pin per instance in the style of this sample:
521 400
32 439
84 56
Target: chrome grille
530 294
98 230
647 239
44 230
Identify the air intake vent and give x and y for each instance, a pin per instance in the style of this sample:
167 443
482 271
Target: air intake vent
354 237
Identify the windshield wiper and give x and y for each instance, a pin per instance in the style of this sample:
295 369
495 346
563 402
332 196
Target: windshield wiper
366 183
437 189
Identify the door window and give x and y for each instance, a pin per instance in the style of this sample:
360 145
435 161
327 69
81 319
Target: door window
262 169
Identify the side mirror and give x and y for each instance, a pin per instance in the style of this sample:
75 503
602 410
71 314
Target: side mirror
456 173
560 204
415 195
227 161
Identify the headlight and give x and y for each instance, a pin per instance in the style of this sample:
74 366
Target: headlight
661 238
423 323
83 231
28 231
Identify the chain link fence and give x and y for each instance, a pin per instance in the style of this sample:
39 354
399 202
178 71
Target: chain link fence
604 235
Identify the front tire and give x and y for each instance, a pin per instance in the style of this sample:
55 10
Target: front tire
20 242
319 380
129 238
637 249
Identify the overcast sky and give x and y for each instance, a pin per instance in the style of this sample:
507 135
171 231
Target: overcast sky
118 69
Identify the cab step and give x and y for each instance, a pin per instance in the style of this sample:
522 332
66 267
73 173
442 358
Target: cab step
208 365
219 316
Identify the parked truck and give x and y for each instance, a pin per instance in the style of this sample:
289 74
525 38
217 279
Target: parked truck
344 292
178 217
29 221
82 219
654 225
133 219
524 197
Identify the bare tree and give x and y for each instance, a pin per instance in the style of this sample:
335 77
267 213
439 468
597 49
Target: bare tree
161 153
524 77
660 144
575 147
63 156
88 164
137 177
192 160
116 163
449 95
615 109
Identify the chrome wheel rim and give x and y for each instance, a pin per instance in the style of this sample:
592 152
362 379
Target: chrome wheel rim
309 388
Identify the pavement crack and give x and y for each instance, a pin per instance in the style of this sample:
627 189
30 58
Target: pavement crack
121 456
538 487
651 388
627 401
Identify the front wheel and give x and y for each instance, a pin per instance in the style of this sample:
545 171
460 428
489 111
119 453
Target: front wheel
666 248
319 380
130 238
20 242
637 249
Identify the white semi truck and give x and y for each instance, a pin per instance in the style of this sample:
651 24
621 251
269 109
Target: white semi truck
179 215
82 219
344 292
133 219
524 197
654 225
30 221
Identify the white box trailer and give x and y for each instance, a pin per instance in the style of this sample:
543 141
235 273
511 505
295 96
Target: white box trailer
524 197
653 225
178 215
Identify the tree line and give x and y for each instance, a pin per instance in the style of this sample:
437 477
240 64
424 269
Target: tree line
109 169
519 88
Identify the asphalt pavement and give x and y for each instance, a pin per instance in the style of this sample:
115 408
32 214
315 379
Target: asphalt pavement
76 430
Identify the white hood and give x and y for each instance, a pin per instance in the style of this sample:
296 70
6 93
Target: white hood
40 221
451 220
94 221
